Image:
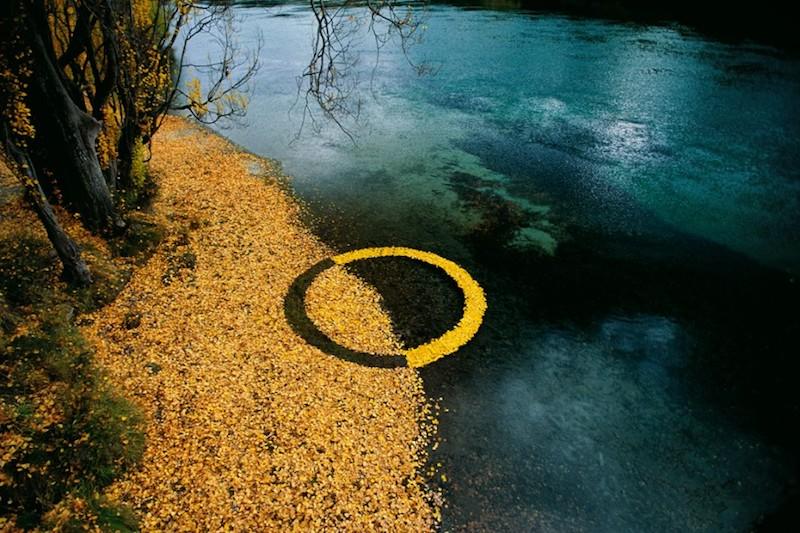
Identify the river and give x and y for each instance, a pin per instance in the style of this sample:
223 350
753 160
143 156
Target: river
629 197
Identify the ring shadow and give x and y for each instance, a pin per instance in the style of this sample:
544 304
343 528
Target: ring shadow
295 311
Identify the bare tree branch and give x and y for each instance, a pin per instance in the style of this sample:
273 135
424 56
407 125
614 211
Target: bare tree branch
330 82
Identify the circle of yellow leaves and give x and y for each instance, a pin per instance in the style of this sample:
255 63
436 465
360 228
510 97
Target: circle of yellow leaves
474 301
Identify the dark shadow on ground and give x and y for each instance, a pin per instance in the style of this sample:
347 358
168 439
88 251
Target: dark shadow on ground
295 310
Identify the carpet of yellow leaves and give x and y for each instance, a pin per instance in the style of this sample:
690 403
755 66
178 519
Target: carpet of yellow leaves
340 304
249 427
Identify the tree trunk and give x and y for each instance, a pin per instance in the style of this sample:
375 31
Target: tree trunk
111 175
129 133
67 136
75 269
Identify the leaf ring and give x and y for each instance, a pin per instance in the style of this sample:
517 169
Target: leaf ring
449 342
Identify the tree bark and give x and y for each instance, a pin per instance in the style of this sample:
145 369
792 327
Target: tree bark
75 269
111 175
129 133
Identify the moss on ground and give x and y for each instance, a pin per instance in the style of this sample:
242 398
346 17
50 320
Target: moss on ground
65 433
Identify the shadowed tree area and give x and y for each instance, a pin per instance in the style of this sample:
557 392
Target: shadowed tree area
87 83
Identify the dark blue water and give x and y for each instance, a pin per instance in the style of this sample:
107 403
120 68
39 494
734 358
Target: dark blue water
629 196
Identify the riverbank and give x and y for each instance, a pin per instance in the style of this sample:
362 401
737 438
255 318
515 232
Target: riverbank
249 427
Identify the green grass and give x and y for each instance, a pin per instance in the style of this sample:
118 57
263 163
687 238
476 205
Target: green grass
139 240
26 269
65 434
88 439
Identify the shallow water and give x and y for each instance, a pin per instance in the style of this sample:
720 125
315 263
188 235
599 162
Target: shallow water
629 196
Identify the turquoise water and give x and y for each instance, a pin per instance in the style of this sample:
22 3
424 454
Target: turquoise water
629 197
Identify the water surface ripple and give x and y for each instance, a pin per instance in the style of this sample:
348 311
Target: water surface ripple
629 196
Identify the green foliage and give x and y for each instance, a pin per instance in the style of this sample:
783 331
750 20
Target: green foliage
140 240
113 517
26 268
74 514
9 320
142 186
138 165
29 270
64 432
109 280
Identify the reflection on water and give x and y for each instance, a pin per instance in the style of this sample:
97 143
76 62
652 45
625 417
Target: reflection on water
593 431
629 197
